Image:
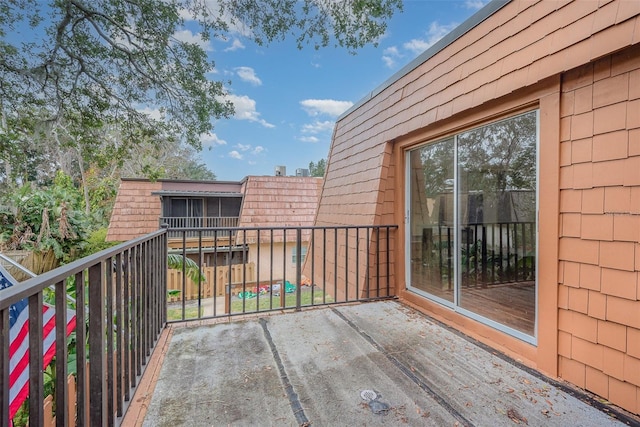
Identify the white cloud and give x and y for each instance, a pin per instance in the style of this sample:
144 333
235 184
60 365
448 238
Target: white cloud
389 56
388 61
475 4
211 140
235 45
246 109
392 51
311 139
248 75
235 155
435 32
188 37
318 127
331 107
247 148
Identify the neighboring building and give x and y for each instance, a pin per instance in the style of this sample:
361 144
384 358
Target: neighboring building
142 206
278 202
256 201
509 155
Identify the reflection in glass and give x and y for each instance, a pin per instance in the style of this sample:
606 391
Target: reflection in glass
496 220
486 254
432 250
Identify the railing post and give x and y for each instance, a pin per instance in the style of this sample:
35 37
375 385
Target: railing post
61 391
81 351
97 367
298 269
36 383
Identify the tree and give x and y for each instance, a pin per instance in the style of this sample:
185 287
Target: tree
162 158
317 169
109 61
49 220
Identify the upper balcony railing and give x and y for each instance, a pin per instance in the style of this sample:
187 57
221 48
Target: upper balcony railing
122 303
172 223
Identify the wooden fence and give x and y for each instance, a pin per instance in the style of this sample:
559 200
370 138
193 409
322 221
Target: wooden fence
215 277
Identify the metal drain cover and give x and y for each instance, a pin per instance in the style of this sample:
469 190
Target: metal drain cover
378 407
368 395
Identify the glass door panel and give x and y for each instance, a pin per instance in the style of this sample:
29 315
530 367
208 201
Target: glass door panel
432 219
497 221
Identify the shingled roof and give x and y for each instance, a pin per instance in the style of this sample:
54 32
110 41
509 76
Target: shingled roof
279 201
135 212
268 201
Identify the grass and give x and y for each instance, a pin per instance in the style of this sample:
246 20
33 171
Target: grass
191 312
289 302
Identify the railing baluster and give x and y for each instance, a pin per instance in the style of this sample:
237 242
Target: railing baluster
324 266
61 390
368 277
199 274
283 290
184 273
97 367
109 332
346 264
377 261
357 263
126 325
119 336
258 267
230 254
81 354
36 382
335 263
388 262
299 269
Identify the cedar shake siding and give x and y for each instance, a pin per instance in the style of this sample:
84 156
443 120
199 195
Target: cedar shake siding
577 63
277 201
135 212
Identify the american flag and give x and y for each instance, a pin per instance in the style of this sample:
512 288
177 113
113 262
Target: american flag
19 343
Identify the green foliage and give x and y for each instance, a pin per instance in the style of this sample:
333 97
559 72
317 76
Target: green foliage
45 219
104 63
96 242
317 169
177 261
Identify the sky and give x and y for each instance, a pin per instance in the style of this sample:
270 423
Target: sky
287 100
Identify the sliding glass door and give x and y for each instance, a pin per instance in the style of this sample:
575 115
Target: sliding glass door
472 231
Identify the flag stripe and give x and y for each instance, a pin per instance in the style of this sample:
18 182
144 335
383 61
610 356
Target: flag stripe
19 344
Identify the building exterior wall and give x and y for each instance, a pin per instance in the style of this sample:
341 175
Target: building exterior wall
576 63
273 263
599 258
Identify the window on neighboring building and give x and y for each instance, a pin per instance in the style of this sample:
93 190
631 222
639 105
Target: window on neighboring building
294 257
472 201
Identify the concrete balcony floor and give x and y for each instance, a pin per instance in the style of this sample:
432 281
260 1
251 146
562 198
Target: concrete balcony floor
313 368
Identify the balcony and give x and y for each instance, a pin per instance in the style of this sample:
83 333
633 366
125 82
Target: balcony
315 337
